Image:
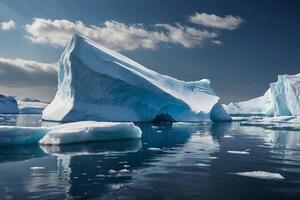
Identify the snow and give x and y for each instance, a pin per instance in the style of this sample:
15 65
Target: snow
261 175
76 132
8 105
88 131
96 83
281 99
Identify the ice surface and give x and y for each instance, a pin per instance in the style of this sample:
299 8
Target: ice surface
97 83
281 99
76 132
261 175
8 105
88 131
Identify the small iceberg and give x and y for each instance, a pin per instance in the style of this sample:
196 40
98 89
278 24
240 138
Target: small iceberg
89 131
261 175
76 132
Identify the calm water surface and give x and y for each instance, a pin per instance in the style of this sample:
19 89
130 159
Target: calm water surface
179 161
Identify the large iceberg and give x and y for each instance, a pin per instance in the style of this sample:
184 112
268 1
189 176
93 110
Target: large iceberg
8 105
96 83
281 99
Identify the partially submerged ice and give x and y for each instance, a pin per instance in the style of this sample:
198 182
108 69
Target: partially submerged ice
96 83
76 132
281 99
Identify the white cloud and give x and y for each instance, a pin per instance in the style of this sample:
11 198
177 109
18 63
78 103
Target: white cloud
116 35
186 36
8 25
23 73
228 22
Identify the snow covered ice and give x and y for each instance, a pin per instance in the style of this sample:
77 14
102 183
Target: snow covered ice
76 132
95 83
281 99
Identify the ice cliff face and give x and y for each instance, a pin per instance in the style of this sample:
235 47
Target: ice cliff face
8 105
97 83
281 99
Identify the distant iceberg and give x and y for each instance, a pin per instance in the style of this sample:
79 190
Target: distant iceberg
281 99
8 105
15 105
31 106
96 83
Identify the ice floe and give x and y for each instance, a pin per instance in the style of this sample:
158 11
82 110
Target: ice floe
76 132
261 175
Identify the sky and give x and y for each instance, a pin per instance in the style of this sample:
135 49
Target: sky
241 46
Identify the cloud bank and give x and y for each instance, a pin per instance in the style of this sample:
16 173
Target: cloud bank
228 22
8 25
24 73
116 35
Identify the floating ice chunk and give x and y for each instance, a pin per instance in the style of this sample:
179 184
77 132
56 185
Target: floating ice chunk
76 132
246 152
154 149
261 175
203 165
37 168
112 171
228 136
87 131
124 171
212 157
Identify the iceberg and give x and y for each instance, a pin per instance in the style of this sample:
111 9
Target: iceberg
76 132
96 83
31 106
15 105
281 99
8 105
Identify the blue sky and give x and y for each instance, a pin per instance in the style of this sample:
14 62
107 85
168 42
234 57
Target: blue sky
240 54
